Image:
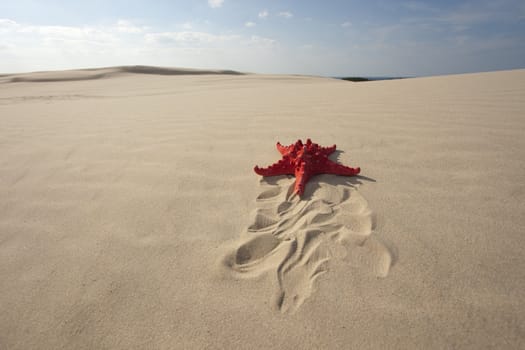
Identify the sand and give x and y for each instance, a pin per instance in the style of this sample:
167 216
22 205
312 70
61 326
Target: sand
131 218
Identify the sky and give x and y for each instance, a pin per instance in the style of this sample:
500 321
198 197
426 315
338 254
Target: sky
328 38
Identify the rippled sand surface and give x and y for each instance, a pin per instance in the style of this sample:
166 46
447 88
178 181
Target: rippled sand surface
131 218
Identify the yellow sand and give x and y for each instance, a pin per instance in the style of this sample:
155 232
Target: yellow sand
131 218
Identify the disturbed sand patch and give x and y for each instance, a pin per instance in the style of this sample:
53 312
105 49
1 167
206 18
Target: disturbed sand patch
294 238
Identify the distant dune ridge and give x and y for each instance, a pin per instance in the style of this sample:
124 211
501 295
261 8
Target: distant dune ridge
98 73
131 218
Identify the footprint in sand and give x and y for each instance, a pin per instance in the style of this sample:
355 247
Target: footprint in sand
294 238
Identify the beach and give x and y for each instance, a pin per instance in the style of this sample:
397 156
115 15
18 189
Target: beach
131 217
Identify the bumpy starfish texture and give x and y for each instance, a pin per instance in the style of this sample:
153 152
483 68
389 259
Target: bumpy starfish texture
305 161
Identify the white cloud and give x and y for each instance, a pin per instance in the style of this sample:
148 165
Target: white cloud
215 3
203 39
261 41
250 24
7 25
57 32
125 26
7 22
285 14
263 14
346 24
188 38
87 33
26 47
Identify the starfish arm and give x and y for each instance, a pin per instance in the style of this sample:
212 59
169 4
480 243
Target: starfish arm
301 178
284 149
288 149
338 169
327 150
282 167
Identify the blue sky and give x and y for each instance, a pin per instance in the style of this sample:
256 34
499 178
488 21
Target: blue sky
331 38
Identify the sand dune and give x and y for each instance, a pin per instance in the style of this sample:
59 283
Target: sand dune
99 73
131 218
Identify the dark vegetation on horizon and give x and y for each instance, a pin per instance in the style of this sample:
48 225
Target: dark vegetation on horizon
356 79
359 79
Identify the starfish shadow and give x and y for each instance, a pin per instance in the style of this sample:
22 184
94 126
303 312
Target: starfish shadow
317 181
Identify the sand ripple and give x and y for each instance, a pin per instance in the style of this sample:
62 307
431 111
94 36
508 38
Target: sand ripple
295 238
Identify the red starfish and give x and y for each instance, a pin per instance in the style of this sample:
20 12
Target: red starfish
305 161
